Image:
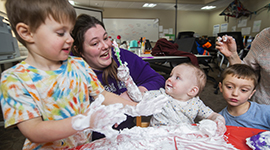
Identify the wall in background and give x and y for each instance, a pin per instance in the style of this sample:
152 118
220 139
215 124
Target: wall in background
187 20
93 12
251 5
132 29
201 22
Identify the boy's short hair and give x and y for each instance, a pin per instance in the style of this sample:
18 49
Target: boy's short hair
242 71
34 12
199 75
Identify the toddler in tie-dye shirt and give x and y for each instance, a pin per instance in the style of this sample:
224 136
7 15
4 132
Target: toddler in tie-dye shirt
47 95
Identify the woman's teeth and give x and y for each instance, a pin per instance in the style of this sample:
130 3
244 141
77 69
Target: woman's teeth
105 54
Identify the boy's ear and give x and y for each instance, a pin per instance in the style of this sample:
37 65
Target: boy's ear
194 91
24 32
220 86
251 94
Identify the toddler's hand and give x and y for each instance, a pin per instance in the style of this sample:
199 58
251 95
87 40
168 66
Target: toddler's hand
100 118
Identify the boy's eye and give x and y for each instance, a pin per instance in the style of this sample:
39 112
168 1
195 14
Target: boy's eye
244 90
228 86
61 33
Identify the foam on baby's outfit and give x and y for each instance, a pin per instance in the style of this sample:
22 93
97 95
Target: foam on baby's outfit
182 136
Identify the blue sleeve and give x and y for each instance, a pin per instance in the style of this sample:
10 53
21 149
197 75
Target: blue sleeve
141 72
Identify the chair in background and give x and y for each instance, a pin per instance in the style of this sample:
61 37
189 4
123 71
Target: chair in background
148 45
212 50
187 44
185 34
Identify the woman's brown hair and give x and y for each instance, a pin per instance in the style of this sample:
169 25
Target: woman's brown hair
83 23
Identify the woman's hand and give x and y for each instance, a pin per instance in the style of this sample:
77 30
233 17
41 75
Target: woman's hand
227 46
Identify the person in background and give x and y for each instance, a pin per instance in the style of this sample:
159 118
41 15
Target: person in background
183 87
258 58
237 86
91 42
47 95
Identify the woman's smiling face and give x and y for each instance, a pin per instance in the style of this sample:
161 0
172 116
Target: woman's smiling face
97 48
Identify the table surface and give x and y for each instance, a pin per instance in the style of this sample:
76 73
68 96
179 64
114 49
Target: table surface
234 135
149 56
179 59
237 136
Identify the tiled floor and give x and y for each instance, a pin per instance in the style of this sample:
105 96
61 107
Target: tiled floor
12 139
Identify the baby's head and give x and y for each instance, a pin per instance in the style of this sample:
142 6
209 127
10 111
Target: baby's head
33 13
186 81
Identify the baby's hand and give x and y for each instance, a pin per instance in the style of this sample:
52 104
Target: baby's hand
123 72
221 128
148 106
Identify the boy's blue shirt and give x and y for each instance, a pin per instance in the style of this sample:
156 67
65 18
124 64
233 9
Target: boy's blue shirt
257 116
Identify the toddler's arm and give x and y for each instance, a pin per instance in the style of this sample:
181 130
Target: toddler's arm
98 118
39 131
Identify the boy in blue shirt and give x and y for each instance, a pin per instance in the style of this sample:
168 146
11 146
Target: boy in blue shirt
237 86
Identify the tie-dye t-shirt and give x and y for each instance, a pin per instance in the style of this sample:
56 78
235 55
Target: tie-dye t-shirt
27 92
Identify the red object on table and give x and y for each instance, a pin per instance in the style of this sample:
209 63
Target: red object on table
237 136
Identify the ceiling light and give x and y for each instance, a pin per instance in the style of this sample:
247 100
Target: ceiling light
71 2
208 7
149 5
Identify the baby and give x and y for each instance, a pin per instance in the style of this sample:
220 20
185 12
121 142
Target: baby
185 83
